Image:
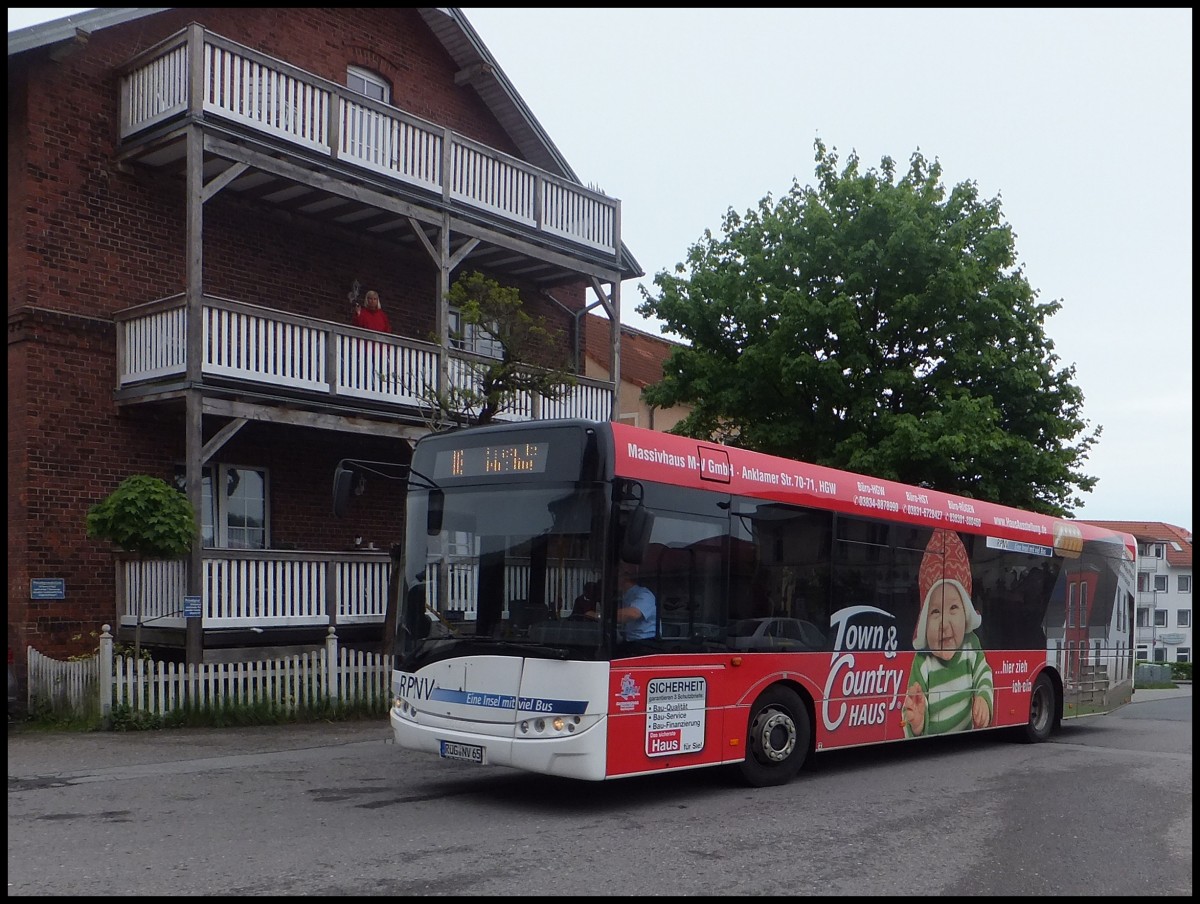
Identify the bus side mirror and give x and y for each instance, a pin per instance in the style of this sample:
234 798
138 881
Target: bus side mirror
636 536
343 487
437 508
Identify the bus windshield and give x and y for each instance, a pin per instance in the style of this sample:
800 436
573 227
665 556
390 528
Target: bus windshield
501 564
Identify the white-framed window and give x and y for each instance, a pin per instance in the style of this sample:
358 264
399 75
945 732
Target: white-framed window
1143 581
1142 653
236 518
1183 618
1160 583
1183 583
1143 618
1160 618
1071 604
471 337
1183 654
1153 550
368 83
1160 654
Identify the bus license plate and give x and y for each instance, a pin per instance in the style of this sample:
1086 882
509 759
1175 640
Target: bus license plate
468 753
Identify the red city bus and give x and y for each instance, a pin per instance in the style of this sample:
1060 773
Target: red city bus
597 601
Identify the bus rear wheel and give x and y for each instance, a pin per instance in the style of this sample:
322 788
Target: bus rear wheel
1042 711
778 740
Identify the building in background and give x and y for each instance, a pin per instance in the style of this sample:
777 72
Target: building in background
1164 589
642 358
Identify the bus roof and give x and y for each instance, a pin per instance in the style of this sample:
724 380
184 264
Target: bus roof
649 455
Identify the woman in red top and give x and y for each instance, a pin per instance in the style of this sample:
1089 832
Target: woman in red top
371 316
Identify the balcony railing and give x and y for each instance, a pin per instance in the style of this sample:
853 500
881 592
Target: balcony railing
257 589
1149 633
265 346
274 589
273 98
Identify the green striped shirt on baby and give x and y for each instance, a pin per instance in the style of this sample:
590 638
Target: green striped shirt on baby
950 686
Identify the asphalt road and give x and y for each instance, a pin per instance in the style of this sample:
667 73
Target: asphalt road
332 809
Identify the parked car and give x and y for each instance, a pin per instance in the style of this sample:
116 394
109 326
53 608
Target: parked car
775 634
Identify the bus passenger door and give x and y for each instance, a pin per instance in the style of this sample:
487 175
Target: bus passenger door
667 691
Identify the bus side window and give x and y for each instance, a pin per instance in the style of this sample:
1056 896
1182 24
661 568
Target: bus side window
686 566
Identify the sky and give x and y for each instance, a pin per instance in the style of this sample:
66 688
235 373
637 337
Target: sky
1080 121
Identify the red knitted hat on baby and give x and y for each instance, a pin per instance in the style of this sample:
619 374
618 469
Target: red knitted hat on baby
945 559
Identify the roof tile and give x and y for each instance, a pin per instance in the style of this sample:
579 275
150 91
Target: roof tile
642 355
1160 532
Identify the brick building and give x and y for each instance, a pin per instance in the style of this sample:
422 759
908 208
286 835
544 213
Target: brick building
194 198
642 359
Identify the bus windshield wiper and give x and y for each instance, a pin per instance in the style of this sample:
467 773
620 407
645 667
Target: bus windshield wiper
508 646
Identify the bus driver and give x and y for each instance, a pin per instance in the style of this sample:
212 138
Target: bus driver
637 612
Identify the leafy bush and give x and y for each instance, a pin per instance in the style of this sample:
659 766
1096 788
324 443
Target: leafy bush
145 515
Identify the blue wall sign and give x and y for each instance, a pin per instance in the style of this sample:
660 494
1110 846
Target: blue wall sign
48 589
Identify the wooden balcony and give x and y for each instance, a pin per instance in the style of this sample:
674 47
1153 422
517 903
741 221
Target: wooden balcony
283 135
248 347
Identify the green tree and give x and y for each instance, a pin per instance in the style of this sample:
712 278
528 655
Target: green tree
533 358
879 326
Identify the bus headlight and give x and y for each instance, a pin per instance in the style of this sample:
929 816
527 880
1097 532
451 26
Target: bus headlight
403 707
558 724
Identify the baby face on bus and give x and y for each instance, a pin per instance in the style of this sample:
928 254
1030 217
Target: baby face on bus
946 623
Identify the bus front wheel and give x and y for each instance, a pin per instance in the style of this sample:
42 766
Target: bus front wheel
1042 711
778 740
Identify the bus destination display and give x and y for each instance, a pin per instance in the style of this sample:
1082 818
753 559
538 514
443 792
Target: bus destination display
492 461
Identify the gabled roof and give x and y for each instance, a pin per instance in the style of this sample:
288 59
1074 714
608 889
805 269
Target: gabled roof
449 25
642 354
1178 540
68 27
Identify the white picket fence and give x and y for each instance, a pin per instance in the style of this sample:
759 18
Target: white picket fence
105 681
